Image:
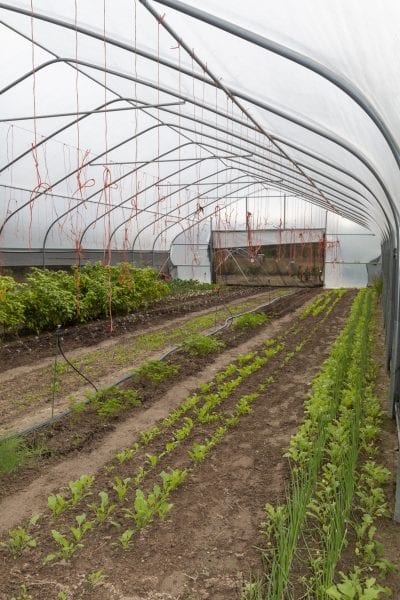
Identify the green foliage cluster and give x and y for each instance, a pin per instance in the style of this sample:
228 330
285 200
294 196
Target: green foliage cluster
251 320
51 298
109 402
11 304
199 345
15 452
157 370
341 419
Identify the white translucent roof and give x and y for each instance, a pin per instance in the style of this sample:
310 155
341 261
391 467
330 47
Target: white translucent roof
124 119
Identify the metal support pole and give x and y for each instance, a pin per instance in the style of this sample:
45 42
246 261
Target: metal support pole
55 372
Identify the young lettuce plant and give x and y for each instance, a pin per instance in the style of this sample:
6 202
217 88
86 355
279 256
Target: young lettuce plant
67 548
125 538
198 452
82 527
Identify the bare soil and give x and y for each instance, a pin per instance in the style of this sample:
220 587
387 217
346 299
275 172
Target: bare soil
207 546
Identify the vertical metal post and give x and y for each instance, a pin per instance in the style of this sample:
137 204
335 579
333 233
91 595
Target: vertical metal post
211 251
284 212
55 374
397 498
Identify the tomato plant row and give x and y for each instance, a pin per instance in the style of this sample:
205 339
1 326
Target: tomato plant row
51 298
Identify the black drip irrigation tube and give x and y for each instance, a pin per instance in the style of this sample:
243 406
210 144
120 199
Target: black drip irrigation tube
67 412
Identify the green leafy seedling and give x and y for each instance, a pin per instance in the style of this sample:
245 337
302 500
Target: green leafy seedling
140 475
19 540
104 509
80 488
57 504
148 436
170 447
82 527
173 479
152 459
142 513
184 431
243 407
198 452
95 578
125 538
124 455
67 548
121 486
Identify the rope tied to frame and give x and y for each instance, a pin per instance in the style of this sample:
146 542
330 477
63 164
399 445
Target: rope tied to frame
86 183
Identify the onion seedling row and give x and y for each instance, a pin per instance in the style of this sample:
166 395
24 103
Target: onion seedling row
340 421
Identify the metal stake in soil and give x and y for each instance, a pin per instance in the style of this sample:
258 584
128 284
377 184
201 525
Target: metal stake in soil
54 384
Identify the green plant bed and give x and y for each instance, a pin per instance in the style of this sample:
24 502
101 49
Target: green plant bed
109 402
157 370
251 320
51 298
198 345
326 494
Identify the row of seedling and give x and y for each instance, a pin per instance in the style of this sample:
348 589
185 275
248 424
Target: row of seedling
283 524
323 455
322 303
155 503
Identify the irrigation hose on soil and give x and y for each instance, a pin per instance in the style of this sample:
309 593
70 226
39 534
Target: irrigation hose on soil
67 412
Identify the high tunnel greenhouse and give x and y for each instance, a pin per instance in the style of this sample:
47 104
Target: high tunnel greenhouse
253 148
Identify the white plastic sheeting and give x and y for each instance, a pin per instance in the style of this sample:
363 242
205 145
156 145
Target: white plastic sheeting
251 119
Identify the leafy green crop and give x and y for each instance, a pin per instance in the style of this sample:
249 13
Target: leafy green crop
199 345
12 307
103 510
50 298
109 402
157 370
18 540
13 452
251 320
